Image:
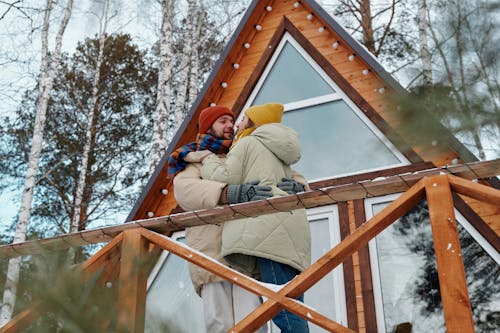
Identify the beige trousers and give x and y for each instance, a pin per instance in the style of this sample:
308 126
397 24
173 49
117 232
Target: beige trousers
225 304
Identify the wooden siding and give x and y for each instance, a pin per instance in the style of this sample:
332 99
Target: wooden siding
362 89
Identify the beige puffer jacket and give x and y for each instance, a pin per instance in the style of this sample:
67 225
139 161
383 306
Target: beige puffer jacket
266 155
194 193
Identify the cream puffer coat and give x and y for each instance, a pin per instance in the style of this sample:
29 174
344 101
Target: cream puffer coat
194 193
266 155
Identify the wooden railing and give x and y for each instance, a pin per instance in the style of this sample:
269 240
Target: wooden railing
134 243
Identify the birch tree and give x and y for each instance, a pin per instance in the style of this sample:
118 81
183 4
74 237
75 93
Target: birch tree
47 73
163 98
425 55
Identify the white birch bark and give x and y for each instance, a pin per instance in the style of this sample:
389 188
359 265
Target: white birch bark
194 76
185 67
425 55
82 178
162 110
47 74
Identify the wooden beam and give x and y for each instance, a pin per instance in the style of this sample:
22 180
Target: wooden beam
245 282
348 267
132 283
451 272
474 190
319 197
337 255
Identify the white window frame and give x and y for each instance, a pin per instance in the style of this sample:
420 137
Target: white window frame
372 245
331 213
339 94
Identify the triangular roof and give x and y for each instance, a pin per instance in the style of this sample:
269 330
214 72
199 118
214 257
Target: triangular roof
252 48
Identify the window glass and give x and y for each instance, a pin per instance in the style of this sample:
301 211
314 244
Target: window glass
291 79
321 296
172 304
409 281
336 141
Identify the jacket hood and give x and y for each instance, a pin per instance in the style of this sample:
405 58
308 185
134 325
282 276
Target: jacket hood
281 140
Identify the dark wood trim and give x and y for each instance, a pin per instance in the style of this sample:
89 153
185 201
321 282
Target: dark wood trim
363 105
348 267
477 222
259 68
366 272
371 175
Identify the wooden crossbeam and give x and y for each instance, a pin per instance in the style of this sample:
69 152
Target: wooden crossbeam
243 281
310 199
334 257
451 272
474 190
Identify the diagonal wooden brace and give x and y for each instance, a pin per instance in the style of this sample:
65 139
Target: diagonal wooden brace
335 256
243 281
474 190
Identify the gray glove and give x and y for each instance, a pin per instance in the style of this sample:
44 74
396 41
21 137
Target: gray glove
248 192
290 186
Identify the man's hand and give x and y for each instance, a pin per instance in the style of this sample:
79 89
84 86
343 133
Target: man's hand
248 192
290 186
197 156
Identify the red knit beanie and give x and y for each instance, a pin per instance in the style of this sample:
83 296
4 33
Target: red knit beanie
209 115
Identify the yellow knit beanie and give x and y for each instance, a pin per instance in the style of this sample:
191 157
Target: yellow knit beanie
265 113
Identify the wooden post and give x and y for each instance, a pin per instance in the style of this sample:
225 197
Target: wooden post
451 272
132 282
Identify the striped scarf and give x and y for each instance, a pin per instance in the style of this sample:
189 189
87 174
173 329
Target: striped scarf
176 161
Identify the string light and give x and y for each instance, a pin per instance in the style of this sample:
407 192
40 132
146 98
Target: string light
108 284
381 90
320 30
164 191
351 57
310 16
258 27
223 85
151 214
236 66
213 104
365 71
296 4
269 8
335 45
246 45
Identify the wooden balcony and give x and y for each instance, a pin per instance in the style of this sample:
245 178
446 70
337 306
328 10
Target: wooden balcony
135 242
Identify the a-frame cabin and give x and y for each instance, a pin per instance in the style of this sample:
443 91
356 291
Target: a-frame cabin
365 172
338 97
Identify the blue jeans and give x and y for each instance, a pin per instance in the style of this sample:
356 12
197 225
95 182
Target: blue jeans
278 273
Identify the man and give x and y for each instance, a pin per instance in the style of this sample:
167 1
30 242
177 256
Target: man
278 245
224 304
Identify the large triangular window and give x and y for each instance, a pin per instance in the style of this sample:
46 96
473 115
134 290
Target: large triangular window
336 137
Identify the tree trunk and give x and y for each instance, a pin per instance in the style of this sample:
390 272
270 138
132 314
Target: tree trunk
185 67
47 74
367 25
194 76
79 216
425 56
82 179
161 113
